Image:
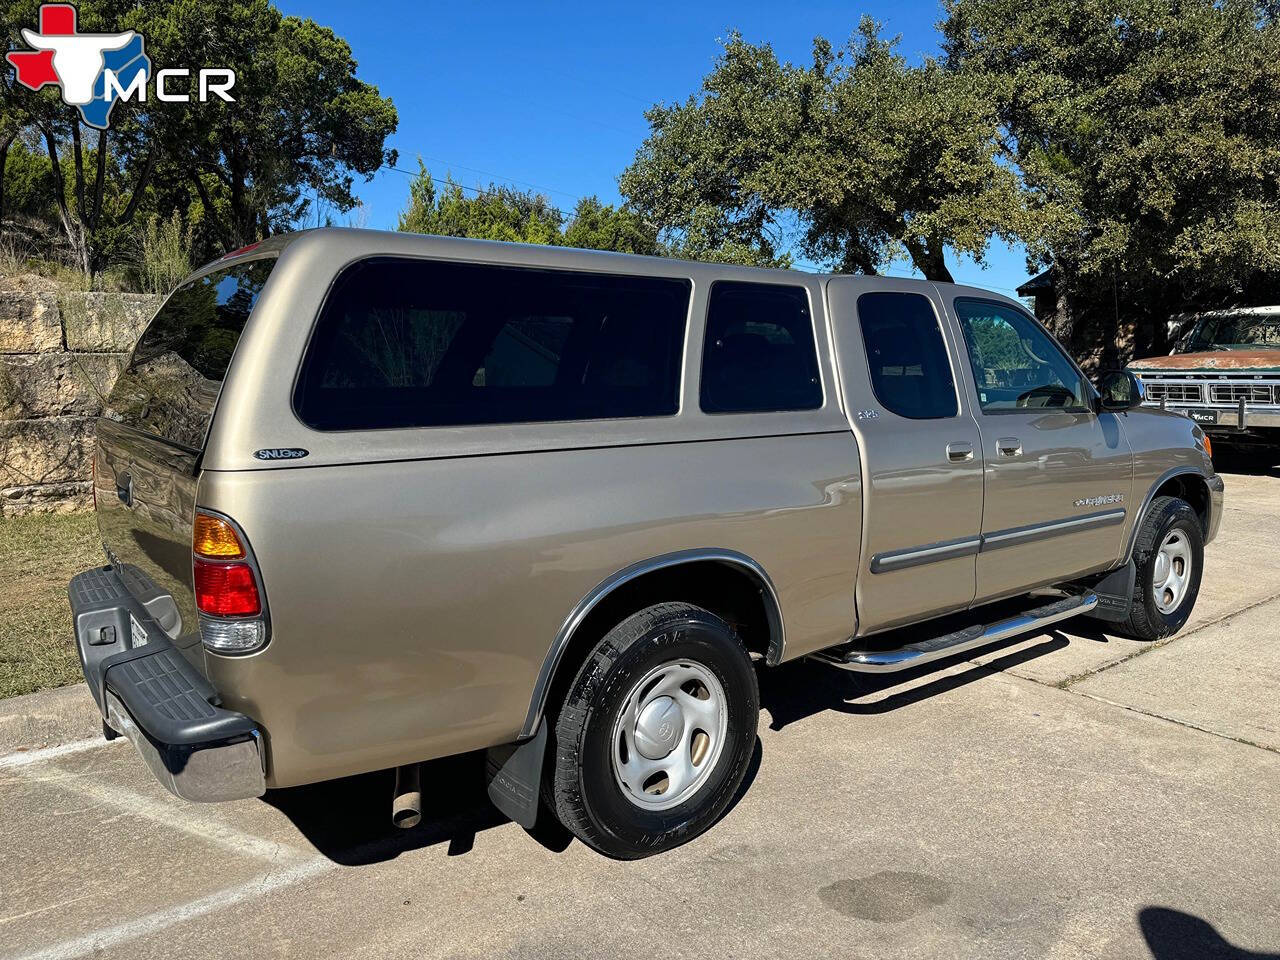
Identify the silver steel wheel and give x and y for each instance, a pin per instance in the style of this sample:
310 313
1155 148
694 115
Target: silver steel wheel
1171 573
669 734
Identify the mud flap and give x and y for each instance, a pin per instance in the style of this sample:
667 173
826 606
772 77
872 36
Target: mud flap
513 773
1115 594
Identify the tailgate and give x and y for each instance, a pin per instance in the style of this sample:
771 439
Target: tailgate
150 438
145 490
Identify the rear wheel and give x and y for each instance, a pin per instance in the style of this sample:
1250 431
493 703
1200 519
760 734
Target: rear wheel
656 732
1169 556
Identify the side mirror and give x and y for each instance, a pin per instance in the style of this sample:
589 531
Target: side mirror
1120 390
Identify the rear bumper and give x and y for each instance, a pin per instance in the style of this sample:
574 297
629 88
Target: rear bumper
155 697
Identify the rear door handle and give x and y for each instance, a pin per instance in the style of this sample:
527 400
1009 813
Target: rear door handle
959 451
1009 447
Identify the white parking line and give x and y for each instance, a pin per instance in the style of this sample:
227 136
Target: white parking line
23 758
188 818
163 919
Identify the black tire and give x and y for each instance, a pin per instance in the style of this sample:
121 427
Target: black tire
1146 621
584 790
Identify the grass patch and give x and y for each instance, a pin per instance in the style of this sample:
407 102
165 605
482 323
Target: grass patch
38 555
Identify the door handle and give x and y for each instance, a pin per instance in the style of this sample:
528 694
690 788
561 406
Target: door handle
125 490
1009 447
959 451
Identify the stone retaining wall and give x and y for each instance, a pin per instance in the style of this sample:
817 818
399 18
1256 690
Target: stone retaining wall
59 355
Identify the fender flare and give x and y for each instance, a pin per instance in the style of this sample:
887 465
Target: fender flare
1164 478
552 661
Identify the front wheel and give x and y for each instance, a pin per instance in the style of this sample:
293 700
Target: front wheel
1169 556
656 732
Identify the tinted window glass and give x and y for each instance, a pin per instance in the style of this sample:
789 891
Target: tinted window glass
759 352
416 343
1016 365
910 372
172 381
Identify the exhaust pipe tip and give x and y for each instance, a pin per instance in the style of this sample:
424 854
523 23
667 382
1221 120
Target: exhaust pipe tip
406 802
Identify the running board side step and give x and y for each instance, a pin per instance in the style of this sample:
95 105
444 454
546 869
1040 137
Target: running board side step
848 657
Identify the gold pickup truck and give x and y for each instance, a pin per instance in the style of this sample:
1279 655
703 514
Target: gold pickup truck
370 499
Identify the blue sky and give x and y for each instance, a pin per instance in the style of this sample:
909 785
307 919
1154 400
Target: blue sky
552 96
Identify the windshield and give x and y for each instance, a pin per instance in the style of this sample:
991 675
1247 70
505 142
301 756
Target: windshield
1232 333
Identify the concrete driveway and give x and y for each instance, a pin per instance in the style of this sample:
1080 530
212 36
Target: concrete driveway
1070 795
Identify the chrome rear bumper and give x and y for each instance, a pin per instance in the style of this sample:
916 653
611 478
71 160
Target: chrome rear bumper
155 697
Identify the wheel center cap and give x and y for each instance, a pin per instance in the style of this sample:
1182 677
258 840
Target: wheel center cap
1161 571
659 728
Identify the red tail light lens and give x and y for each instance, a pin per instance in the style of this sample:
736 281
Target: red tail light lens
226 589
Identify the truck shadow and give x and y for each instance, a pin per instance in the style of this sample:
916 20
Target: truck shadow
1248 461
803 688
1174 935
349 820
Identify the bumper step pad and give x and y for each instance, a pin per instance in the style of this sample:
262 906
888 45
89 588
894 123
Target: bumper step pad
154 696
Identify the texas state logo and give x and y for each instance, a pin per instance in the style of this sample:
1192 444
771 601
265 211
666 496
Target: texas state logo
95 71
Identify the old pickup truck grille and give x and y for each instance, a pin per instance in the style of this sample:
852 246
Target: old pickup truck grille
1175 392
1235 392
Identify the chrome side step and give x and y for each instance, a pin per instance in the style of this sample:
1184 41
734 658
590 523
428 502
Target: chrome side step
848 657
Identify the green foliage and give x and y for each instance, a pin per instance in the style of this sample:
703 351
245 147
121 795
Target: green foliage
871 157
164 256
1148 139
504 213
997 344
302 128
28 183
598 226
496 213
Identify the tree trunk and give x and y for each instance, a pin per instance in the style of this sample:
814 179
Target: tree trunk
929 258
70 225
5 143
210 213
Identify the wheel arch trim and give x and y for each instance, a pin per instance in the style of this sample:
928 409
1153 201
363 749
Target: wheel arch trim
1141 516
555 655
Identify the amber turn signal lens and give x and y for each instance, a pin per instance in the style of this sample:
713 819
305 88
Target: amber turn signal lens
1208 447
215 538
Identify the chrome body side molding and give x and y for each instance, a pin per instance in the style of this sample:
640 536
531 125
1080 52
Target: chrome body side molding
777 635
914 556
1043 531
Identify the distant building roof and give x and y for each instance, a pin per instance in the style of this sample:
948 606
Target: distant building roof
1040 283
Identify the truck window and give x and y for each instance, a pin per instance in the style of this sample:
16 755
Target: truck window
172 381
910 371
421 343
1016 365
759 353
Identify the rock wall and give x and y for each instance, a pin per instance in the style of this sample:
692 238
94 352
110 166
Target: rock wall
60 353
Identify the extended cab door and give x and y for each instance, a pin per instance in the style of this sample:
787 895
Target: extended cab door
920 448
1058 475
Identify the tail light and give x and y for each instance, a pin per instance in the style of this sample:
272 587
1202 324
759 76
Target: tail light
228 588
